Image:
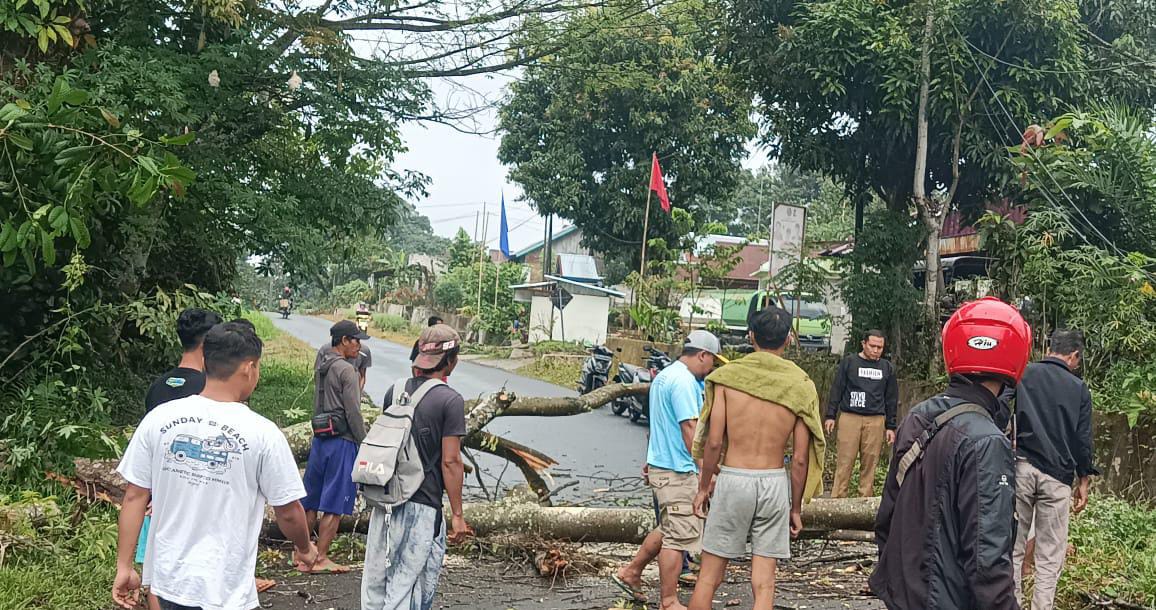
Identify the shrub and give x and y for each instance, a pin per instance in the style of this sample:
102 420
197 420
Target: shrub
349 293
390 323
1115 554
448 294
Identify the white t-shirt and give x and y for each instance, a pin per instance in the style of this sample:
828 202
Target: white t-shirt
211 467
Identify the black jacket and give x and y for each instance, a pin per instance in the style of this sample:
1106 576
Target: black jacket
945 539
1054 421
864 387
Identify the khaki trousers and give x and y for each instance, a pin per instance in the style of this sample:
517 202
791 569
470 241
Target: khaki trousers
1045 503
857 436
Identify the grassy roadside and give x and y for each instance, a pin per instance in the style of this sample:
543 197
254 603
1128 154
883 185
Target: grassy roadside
384 326
68 561
285 393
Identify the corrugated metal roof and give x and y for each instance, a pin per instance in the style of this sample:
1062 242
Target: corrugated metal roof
578 266
538 244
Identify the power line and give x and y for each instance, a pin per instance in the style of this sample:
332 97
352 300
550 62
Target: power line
1043 189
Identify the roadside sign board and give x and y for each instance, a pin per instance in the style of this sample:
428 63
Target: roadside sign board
786 236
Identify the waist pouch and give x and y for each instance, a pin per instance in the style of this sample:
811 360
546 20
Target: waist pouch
328 425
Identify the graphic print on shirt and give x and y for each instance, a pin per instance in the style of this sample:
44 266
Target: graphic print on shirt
210 453
201 460
858 400
870 373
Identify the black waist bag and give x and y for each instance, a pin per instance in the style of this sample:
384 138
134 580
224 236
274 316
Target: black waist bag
327 425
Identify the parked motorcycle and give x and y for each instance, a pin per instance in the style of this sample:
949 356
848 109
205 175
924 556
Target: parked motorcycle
595 370
639 406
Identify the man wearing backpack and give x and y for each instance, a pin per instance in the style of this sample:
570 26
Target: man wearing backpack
407 539
946 524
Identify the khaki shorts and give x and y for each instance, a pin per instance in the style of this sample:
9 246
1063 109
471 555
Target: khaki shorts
675 491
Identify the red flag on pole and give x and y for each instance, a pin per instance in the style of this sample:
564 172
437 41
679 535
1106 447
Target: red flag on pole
657 185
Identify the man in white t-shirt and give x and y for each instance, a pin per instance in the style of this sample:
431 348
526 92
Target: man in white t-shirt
210 465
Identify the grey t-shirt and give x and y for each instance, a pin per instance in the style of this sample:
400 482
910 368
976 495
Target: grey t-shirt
440 414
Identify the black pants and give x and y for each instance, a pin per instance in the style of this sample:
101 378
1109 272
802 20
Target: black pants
167 605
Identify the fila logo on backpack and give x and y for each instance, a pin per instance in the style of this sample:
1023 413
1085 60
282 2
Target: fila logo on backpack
388 468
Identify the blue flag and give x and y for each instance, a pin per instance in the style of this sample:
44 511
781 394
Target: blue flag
504 235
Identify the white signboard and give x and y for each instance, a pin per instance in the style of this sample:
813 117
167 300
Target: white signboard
786 236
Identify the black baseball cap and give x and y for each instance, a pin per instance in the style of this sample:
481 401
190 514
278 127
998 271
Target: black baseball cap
347 328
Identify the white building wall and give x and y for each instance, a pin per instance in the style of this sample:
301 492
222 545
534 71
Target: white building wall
584 319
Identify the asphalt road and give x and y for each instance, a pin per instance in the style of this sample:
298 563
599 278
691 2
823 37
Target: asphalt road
601 452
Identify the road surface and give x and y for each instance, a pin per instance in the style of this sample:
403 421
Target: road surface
603 453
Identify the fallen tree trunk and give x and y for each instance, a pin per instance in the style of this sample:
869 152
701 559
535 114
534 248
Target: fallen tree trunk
20 517
521 515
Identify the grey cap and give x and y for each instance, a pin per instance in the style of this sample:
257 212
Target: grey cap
703 340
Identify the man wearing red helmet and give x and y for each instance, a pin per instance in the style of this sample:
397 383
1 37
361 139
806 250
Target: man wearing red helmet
946 525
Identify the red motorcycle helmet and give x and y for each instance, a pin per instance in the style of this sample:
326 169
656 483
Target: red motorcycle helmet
987 336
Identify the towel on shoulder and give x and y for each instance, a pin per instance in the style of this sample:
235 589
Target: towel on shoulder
778 380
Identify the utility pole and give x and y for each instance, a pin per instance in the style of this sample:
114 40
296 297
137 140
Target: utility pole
481 259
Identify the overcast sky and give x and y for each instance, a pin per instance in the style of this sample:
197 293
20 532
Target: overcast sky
464 170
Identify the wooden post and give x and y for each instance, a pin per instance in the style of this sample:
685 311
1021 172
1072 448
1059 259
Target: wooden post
646 223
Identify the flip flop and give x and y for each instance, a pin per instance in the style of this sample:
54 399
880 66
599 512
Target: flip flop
688 579
635 595
264 584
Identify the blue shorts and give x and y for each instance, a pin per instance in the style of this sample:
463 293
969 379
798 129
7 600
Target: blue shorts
143 539
329 486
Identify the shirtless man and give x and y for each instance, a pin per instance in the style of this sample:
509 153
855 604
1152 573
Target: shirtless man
752 496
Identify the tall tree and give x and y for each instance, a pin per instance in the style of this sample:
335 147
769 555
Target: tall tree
579 128
852 110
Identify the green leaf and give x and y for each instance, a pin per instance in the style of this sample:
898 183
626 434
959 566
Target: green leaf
148 164
10 257
58 218
20 140
11 112
80 232
48 248
59 90
42 40
7 237
44 5
110 118
180 140
76 97
65 35
142 190
73 155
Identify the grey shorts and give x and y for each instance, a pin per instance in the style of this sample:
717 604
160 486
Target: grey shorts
754 504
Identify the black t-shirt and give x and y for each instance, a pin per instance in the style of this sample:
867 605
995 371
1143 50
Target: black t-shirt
440 414
177 383
864 387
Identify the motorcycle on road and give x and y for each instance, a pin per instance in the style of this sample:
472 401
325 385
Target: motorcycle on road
595 370
639 406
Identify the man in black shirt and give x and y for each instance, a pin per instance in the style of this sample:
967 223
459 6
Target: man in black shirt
864 395
1053 451
189 377
405 548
